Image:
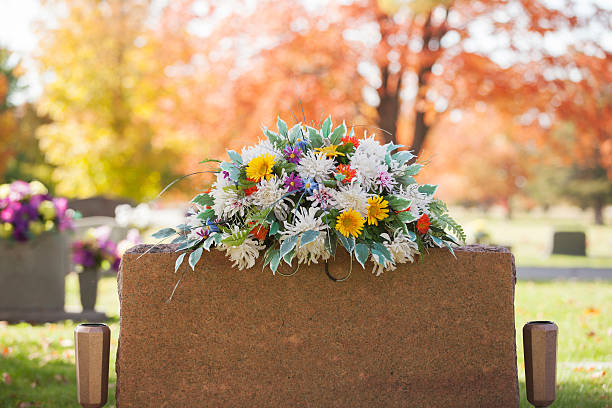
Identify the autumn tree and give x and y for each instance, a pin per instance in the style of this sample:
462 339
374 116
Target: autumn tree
9 77
397 65
103 101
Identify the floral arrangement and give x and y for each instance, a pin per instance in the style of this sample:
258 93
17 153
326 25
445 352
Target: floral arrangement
97 251
27 210
294 196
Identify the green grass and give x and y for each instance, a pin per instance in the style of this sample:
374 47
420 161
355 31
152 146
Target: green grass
40 359
530 236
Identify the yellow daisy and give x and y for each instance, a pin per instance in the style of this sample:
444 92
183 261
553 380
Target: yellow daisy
377 210
260 167
330 151
350 222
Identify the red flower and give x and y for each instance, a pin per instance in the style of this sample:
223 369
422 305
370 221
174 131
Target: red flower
348 173
423 224
250 190
353 140
260 232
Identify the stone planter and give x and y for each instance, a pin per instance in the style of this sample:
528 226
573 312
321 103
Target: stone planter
88 287
439 333
32 274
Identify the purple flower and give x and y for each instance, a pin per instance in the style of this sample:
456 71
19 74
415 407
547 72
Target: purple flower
293 154
293 182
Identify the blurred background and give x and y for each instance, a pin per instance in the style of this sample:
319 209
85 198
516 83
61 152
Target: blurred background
509 102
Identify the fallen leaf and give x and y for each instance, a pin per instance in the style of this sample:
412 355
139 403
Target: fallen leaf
591 311
590 334
6 378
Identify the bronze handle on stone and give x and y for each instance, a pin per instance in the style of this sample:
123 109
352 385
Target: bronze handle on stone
540 350
92 348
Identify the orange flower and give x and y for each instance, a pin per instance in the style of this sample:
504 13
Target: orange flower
353 140
348 173
423 224
250 190
260 232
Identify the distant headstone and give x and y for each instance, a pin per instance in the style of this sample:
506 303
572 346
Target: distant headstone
97 206
569 243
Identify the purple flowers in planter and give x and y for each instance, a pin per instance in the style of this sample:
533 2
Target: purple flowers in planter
27 210
97 251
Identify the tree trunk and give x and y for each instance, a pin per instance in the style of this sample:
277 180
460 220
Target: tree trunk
598 209
388 108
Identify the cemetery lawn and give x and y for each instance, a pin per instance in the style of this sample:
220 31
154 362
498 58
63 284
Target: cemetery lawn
530 237
37 362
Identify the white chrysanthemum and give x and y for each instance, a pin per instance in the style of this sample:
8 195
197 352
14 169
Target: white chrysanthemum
243 256
418 201
351 196
368 169
307 219
322 196
261 148
369 146
227 202
270 194
401 248
316 166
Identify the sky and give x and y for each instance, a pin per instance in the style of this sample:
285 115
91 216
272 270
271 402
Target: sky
17 32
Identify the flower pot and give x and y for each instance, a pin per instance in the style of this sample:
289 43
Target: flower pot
540 348
434 334
32 274
88 287
92 346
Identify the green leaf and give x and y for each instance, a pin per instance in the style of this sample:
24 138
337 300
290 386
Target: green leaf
329 183
210 160
179 261
377 246
412 236
337 135
361 254
331 242
274 260
295 132
236 239
403 156
203 199
308 237
428 189
406 180
406 217
179 239
273 137
339 176
207 214
236 158
164 233
315 138
392 146
282 127
437 241
347 243
413 169
289 256
450 248
194 257
326 127
187 244
209 241
288 244
378 257
398 203
274 228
